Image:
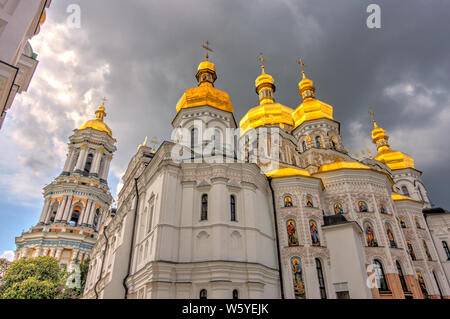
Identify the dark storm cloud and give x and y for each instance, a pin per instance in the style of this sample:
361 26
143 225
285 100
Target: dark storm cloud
402 70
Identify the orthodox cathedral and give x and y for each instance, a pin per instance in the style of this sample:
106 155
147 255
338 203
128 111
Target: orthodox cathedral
288 214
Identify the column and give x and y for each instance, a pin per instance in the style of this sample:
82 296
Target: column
45 251
49 213
91 215
67 209
58 253
44 211
86 211
52 252
106 168
81 160
60 212
68 160
96 163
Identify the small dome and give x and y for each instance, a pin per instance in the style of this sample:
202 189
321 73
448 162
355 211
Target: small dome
206 65
312 109
205 95
288 172
264 79
266 114
97 123
339 163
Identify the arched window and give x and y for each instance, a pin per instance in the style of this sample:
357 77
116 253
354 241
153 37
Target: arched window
309 201
194 138
287 201
53 216
203 294
422 285
75 217
370 235
204 213
318 141
87 166
447 251
235 294
217 142
401 277
379 275
96 218
304 146
333 143
437 283
411 250
323 291
427 252
390 235
233 208
405 191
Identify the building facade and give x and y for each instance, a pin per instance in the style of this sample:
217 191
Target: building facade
20 20
289 214
77 201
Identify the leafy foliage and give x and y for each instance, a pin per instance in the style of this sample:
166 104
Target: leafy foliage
4 265
36 278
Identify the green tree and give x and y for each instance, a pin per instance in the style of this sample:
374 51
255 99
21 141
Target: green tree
34 278
4 265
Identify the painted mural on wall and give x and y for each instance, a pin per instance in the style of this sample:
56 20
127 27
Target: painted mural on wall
370 235
338 208
297 276
309 202
362 205
390 236
314 233
292 233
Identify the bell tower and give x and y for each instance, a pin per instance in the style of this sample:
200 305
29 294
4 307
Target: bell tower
78 200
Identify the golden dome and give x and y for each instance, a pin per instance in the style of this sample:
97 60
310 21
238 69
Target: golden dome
264 79
311 108
205 93
287 172
339 163
393 159
98 124
266 114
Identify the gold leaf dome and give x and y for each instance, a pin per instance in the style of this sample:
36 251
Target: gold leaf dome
205 93
311 108
339 163
97 123
287 172
392 158
266 114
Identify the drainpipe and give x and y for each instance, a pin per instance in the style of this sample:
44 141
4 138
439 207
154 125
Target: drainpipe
277 237
103 261
132 239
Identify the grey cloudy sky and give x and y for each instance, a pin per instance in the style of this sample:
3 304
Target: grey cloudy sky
143 54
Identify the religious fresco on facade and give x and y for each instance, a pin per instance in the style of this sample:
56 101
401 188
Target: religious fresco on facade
382 209
314 233
338 208
427 252
292 233
362 205
297 276
390 236
287 201
422 284
402 222
370 235
411 250
309 202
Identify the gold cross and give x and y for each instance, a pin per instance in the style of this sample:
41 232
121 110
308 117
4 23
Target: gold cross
261 59
103 101
155 142
207 48
300 62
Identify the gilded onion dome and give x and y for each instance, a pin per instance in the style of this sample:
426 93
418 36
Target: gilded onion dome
97 123
393 159
205 93
311 108
267 112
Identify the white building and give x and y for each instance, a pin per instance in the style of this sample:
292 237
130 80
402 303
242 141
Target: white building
220 225
20 20
77 201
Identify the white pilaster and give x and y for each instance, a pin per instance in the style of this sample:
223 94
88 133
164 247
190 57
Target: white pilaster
44 210
81 159
96 162
67 209
61 207
86 212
